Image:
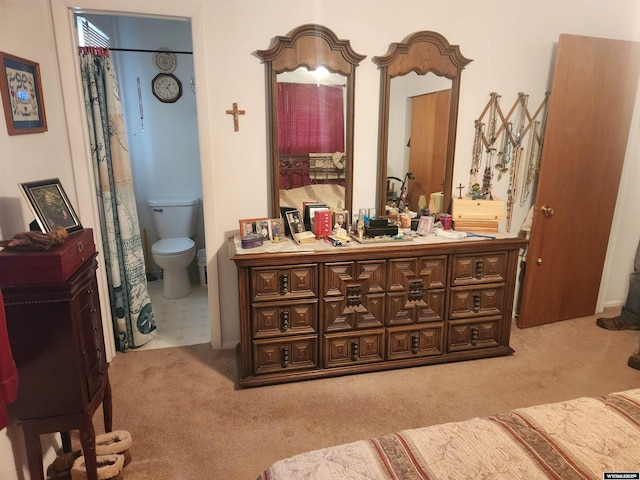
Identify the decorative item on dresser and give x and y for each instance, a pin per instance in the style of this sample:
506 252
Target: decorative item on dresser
55 331
316 311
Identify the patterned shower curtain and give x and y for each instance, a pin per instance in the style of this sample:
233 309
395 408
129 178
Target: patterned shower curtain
124 257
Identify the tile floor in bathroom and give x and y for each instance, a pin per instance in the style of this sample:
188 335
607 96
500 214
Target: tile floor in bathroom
179 322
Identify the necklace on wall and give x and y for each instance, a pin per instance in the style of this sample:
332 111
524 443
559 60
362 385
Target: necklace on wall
476 158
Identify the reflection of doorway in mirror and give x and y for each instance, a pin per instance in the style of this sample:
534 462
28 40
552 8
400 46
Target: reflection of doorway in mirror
428 148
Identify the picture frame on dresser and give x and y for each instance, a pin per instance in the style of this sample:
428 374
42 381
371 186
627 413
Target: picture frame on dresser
50 205
249 225
21 91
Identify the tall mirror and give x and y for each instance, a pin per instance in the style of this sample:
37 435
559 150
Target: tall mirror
310 87
419 92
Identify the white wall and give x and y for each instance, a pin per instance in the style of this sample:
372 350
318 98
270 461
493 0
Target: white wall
511 44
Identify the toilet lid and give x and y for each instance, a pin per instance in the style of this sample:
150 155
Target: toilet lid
172 246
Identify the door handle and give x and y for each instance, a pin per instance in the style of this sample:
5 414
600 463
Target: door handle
547 211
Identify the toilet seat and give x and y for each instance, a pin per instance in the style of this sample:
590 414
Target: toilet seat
172 246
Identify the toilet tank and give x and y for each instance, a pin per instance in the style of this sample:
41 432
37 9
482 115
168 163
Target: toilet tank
174 217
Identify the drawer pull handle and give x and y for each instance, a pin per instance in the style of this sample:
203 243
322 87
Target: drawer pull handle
284 357
415 290
284 283
354 295
355 347
479 269
474 336
415 343
476 302
284 321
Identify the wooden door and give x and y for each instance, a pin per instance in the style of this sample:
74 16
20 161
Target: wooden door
428 151
589 116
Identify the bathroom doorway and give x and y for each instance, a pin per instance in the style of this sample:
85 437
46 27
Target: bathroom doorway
163 145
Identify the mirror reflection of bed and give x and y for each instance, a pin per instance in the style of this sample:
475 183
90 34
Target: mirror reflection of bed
311 138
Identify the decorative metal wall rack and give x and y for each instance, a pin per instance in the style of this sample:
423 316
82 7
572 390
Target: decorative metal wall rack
500 141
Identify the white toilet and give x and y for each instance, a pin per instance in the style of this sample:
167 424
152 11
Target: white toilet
175 220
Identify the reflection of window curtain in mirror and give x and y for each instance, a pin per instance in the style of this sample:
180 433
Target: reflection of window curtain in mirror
310 118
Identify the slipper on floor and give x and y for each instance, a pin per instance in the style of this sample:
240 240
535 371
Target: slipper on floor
116 442
109 468
110 443
617 323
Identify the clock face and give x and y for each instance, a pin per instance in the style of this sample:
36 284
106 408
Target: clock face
165 61
166 87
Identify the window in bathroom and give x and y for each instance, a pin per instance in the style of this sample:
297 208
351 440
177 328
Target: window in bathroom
89 35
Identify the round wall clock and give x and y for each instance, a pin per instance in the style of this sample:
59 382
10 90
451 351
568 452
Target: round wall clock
164 61
166 87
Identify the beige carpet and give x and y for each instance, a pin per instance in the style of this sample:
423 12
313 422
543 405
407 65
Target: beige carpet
189 422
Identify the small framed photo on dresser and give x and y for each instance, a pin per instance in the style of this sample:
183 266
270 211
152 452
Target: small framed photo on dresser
276 229
341 219
249 225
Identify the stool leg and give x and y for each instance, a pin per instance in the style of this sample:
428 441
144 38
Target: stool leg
88 441
34 453
107 405
66 441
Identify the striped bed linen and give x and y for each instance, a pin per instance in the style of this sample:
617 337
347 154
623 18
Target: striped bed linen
577 439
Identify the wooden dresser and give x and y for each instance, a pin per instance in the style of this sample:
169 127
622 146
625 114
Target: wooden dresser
55 331
329 311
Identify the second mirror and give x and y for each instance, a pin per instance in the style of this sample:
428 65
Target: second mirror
420 86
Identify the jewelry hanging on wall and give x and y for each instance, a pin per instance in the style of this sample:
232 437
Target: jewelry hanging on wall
507 152
533 162
476 158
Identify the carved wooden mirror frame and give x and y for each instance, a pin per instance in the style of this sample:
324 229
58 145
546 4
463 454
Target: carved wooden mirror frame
421 52
309 46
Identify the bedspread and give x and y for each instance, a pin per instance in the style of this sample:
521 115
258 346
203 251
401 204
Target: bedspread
576 439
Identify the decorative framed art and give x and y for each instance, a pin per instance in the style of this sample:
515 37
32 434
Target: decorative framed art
50 205
21 90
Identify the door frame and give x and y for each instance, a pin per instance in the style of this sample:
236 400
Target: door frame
62 14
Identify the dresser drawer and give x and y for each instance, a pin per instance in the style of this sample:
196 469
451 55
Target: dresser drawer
295 281
474 269
280 355
295 317
476 301
473 334
342 349
415 307
409 342
404 272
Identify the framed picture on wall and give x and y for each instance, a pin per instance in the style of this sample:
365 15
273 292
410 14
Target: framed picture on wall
50 205
21 90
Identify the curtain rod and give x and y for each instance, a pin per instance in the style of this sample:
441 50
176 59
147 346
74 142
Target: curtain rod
147 51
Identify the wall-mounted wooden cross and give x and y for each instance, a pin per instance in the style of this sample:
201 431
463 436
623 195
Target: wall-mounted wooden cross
235 112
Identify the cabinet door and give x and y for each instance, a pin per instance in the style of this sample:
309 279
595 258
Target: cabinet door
342 349
408 342
473 334
416 290
270 283
353 295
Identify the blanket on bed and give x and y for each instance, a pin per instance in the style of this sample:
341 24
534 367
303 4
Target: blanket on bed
581 438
